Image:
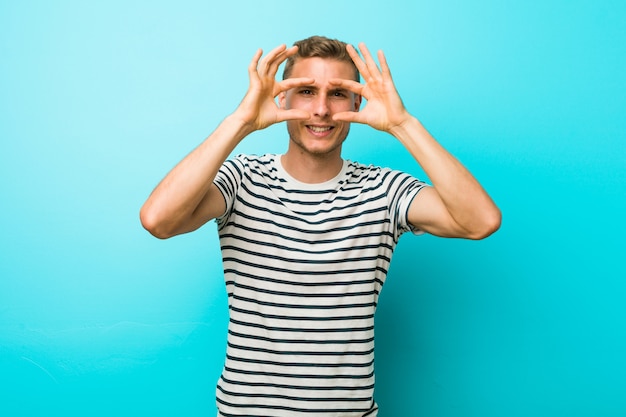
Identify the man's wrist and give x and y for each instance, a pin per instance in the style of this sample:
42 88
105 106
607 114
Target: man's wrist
239 125
405 126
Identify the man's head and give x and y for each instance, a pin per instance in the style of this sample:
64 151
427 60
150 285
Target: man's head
322 60
320 47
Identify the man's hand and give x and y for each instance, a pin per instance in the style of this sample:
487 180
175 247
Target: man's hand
456 205
258 109
384 110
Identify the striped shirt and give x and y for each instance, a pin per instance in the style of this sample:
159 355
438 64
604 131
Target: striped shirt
304 265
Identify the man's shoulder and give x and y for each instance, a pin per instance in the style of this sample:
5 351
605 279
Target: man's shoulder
360 170
255 158
254 163
371 175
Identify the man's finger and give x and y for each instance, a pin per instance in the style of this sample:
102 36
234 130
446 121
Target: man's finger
292 114
383 64
356 58
290 83
252 68
349 85
266 62
372 67
280 58
348 116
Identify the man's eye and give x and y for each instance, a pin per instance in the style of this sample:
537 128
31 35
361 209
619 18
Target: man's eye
305 91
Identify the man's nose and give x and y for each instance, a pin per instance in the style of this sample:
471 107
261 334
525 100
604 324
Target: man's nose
321 107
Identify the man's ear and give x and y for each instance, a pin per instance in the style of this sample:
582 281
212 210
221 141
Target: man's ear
357 102
282 98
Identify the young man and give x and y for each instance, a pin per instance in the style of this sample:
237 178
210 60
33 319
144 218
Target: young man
307 237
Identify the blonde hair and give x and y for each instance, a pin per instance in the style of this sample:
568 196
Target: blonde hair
320 47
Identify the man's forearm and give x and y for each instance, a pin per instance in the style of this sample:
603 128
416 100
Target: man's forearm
175 200
464 198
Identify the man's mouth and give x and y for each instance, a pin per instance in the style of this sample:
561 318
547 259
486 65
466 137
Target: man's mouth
320 129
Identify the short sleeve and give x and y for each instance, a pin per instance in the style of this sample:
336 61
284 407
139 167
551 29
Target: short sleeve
403 210
402 189
228 180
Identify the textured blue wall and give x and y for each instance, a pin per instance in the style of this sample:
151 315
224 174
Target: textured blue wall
99 100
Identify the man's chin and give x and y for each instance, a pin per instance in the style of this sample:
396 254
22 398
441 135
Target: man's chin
315 145
319 147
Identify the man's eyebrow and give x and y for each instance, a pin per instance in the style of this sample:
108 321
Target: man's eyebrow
341 90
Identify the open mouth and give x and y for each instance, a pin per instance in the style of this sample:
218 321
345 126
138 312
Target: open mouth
320 129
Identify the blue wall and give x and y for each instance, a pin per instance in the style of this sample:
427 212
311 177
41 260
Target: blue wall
98 100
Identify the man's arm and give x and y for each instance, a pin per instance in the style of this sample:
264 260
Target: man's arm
456 205
187 198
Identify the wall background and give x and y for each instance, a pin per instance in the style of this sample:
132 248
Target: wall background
98 100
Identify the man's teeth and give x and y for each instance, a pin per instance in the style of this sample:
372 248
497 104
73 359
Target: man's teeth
319 129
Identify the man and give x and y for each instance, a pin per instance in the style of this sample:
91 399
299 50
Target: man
307 236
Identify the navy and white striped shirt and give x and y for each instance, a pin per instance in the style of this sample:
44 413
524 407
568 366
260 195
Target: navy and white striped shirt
304 265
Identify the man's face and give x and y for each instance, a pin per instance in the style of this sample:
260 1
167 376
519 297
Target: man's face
320 134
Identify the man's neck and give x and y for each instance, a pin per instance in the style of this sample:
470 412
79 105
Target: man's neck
311 169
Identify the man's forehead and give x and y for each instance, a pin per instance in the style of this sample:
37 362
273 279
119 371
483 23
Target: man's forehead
317 66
